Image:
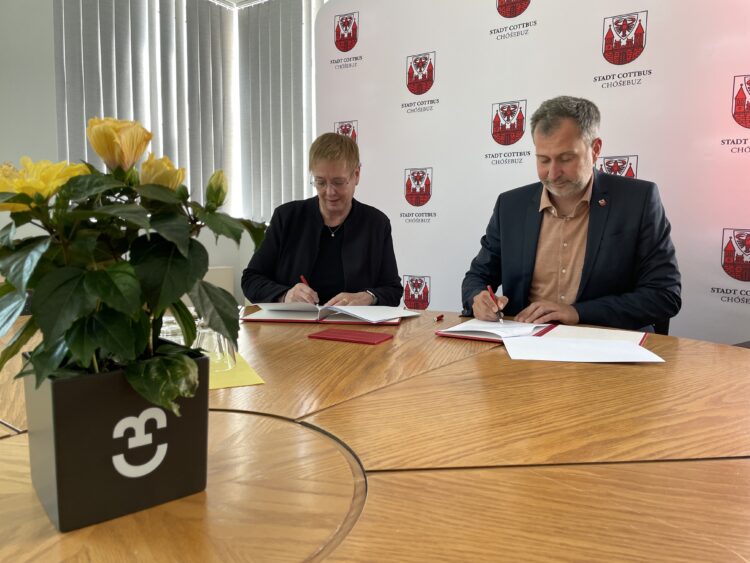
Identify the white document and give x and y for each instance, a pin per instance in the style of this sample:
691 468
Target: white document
577 350
492 330
368 313
592 333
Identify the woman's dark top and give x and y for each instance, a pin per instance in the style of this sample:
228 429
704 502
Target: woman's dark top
291 248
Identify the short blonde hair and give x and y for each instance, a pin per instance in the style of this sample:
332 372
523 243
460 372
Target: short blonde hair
332 146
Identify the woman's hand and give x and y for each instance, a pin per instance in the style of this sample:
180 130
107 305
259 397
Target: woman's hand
301 293
359 298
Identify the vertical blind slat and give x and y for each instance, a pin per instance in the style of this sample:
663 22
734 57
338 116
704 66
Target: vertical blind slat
194 95
168 78
61 101
286 182
296 144
92 99
107 51
74 76
139 48
181 93
123 62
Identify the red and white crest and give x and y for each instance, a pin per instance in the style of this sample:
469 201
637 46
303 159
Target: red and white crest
512 8
348 128
418 185
626 166
420 72
508 121
735 254
417 292
741 100
624 37
346 31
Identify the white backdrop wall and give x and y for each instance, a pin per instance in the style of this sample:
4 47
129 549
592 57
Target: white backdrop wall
669 113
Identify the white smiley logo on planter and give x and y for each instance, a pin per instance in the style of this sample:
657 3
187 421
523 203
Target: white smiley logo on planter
141 438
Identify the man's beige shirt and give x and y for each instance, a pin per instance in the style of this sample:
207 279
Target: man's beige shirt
560 251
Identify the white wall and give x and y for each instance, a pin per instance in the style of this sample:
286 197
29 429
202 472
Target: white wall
27 87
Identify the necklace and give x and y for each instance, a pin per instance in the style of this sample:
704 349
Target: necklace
334 231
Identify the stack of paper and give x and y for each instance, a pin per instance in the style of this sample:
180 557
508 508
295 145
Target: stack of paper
582 344
577 350
491 330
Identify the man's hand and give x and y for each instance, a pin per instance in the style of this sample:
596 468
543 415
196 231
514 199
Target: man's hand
359 298
485 308
546 312
301 293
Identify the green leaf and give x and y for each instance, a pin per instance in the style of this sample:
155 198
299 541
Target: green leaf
117 287
113 332
158 193
129 212
92 169
141 328
21 217
79 188
19 265
80 252
60 299
11 305
13 197
167 348
174 227
18 341
217 307
6 235
257 231
47 357
162 379
165 274
185 321
182 194
81 340
223 225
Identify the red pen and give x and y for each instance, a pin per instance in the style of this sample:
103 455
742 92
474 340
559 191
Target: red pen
494 298
303 280
438 318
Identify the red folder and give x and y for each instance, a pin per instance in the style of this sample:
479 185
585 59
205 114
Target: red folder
358 336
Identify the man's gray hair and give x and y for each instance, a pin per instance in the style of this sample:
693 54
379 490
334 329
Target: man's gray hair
583 112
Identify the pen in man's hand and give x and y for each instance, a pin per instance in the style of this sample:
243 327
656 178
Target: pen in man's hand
303 280
494 298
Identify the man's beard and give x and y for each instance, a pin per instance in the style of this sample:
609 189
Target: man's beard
568 189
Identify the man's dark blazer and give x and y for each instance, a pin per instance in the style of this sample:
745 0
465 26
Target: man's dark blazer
630 277
290 249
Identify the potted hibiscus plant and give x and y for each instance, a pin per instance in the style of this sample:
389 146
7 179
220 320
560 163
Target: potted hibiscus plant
117 417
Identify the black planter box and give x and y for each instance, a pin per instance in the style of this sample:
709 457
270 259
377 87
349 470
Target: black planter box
88 462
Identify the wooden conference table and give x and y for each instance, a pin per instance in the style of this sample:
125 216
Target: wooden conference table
434 449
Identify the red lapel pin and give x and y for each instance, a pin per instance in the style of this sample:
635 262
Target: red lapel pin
602 202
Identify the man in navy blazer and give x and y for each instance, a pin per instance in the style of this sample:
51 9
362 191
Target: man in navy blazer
579 246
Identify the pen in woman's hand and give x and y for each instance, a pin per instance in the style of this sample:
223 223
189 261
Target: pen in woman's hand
494 299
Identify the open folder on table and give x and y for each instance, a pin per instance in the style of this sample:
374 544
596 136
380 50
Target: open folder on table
309 313
493 331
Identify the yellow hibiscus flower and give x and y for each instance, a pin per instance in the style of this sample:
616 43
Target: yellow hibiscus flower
120 143
161 171
42 177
